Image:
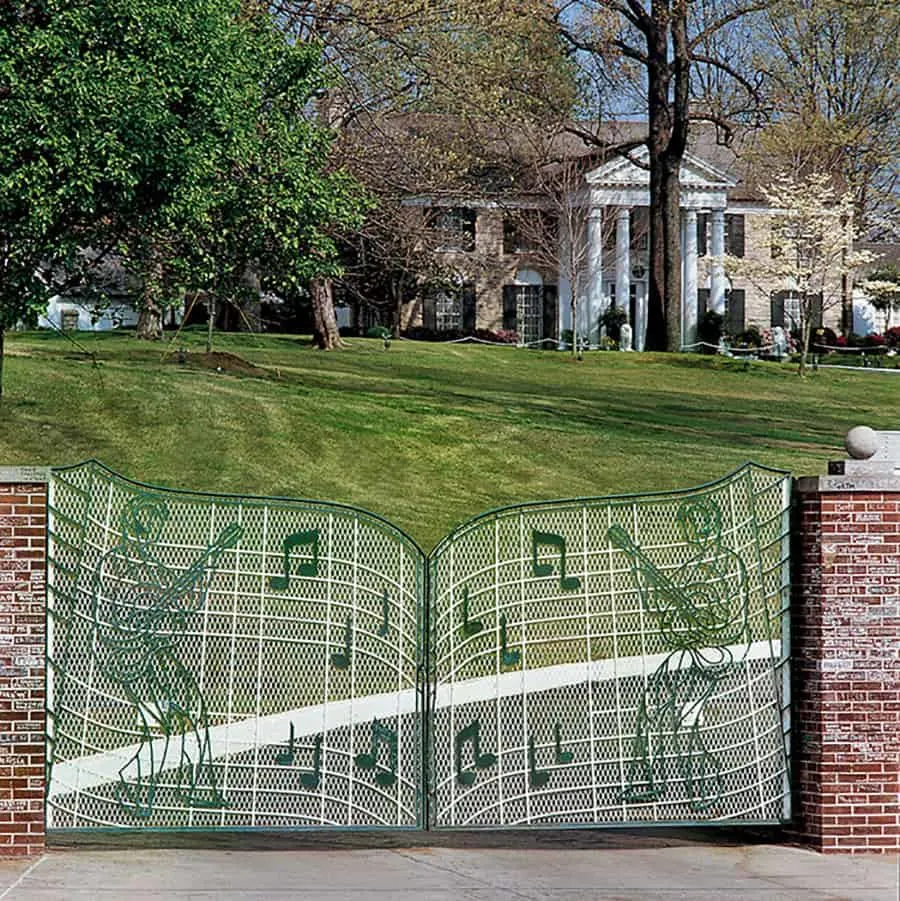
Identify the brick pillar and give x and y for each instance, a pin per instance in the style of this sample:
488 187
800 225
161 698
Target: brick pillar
23 564
845 659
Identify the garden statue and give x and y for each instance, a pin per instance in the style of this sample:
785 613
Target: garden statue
779 342
625 337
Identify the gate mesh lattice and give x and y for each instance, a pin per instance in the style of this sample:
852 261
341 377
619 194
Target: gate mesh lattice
616 660
223 662
228 662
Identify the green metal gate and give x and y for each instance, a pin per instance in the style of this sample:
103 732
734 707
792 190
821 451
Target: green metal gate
220 662
615 660
227 662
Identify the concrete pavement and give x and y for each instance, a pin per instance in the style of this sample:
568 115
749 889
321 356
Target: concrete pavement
682 872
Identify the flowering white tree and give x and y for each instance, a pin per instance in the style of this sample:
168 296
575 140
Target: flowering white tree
811 248
882 287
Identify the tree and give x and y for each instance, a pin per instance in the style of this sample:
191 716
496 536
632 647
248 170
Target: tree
882 287
172 129
812 236
831 76
678 57
479 62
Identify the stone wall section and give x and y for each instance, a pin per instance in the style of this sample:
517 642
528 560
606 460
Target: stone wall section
23 565
845 659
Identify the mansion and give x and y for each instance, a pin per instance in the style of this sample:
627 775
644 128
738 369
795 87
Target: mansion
500 283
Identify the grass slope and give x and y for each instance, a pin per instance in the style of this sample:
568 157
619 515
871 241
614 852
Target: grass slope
426 435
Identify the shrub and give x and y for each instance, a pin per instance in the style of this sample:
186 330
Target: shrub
750 337
892 336
824 338
612 320
710 330
378 331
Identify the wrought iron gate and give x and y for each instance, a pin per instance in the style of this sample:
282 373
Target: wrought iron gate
225 662
614 660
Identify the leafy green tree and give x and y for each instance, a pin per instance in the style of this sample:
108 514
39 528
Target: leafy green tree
172 129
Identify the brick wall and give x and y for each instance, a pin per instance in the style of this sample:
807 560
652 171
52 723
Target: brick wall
846 669
23 557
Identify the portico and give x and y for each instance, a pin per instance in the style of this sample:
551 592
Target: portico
614 192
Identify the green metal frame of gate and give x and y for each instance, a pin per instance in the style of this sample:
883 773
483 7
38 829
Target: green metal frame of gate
223 662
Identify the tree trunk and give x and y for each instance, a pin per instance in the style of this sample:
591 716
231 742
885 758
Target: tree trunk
667 121
326 335
150 321
671 212
805 332
150 311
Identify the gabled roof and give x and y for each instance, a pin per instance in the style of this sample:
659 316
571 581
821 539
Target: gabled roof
631 170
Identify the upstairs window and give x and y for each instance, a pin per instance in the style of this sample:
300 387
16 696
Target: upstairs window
529 231
734 234
453 228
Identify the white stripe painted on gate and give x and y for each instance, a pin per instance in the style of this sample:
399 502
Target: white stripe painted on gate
242 736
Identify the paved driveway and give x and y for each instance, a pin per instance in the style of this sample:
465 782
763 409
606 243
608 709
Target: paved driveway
673 873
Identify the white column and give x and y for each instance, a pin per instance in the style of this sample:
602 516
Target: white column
689 280
717 270
594 305
623 259
640 316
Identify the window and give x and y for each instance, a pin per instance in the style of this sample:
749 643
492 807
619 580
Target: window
530 311
734 234
450 309
734 311
454 228
702 231
447 310
787 310
528 231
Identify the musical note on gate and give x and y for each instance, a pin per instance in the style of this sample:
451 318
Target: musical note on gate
385 626
341 659
311 779
507 657
286 758
548 539
471 735
561 755
381 735
536 778
306 539
469 627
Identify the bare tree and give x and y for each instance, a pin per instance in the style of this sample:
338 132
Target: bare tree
677 58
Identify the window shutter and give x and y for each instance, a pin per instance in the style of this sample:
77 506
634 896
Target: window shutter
551 311
734 311
510 235
735 227
777 310
429 312
509 308
467 221
702 223
468 307
702 302
815 312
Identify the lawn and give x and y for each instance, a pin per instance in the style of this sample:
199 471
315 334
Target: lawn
426 435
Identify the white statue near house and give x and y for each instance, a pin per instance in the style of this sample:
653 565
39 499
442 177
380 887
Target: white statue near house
779 342
625 336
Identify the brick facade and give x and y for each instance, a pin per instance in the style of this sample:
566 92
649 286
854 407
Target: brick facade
846 669
23 560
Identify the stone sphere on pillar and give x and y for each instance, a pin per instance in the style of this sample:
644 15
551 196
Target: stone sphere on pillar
862 442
